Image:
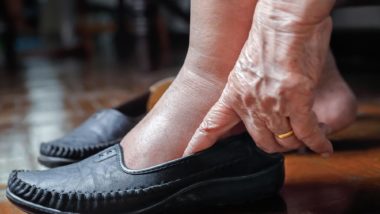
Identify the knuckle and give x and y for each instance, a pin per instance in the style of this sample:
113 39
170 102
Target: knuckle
246 99
207 126
296 82
269 101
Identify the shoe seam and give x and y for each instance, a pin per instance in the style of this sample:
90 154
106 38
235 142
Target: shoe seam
129 192
149 170
84 149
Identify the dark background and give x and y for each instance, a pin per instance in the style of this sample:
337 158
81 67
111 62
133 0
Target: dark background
153 34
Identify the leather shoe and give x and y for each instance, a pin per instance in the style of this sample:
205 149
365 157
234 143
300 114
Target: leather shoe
233 171
102 130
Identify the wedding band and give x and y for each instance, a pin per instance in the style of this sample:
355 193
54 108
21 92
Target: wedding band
285 135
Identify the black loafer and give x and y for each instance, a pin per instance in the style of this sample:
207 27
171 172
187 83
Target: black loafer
231 172
102 130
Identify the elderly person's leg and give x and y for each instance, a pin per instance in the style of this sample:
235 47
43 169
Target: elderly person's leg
218 31
279 73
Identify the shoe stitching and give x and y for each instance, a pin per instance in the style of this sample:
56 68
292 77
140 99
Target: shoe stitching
57 196
76 153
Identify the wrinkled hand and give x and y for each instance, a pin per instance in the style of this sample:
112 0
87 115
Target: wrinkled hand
271 88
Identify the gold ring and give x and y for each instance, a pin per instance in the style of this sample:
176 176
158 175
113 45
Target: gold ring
285 135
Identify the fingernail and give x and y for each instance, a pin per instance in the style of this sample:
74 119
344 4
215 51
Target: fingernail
326 155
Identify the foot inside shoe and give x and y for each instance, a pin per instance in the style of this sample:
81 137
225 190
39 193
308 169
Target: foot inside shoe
232 171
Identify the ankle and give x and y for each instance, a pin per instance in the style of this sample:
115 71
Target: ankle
195 82
213 69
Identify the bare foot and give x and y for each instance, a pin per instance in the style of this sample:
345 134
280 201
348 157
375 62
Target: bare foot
335 103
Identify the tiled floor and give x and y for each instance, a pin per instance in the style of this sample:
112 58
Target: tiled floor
49 98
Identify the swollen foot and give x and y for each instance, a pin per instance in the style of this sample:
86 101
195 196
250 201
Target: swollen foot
164 133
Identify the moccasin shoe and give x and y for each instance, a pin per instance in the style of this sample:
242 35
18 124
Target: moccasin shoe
102 130
233 171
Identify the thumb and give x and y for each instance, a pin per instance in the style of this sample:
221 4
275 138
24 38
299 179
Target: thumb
218 121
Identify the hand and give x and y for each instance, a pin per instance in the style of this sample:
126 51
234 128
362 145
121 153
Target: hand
271 88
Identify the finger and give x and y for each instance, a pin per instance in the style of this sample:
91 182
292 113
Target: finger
280 125
262 136
306 129
290 143
218 121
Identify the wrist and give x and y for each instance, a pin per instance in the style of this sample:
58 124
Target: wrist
289 13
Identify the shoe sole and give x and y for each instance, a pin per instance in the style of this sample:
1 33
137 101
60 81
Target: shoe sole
217 192
53 162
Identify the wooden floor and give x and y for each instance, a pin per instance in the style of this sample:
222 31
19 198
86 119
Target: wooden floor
48 99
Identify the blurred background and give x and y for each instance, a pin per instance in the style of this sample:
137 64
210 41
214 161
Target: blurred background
62 60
